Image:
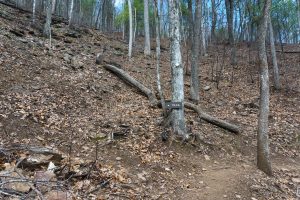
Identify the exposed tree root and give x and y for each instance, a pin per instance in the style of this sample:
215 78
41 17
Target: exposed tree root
154 102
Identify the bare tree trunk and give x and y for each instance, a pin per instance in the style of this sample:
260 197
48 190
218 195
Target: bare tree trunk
53 6
147 50
214 20
71 12
190 36
135 25
229 14
47 25
298 20
274 58
33 10
178 120
157 28
194 90
263 152
130 29
203 30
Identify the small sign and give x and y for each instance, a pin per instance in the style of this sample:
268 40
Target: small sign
173 105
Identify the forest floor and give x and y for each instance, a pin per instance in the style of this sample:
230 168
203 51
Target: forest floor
62 100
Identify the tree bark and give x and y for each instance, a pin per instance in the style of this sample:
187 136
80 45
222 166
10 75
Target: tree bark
130 29
274 57
298 12
194 90
214 20
71 12
229 14
190 36
178 119
157 28
263 152
47 26
147 50
33 11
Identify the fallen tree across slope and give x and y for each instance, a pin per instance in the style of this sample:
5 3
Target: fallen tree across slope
153 101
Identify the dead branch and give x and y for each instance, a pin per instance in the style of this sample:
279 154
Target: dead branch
132 82
32 149
40 195
279 51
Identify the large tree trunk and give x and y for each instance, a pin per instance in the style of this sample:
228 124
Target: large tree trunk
213 20
147 50
130 29
263 152
194 90
229 14
178 121
47 26
274 58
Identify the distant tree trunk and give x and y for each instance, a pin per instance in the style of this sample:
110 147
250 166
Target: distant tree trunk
194 90
157 28
53 6
214 20
147 50
33 10
71 12
190 36
178 119
274 58
135 25
263 152
47 26
203 29
130 29
230 14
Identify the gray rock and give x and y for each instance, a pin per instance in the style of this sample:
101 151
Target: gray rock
206 88
67 58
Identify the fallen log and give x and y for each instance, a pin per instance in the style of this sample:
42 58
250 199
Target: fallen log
213 120
128 79
218 122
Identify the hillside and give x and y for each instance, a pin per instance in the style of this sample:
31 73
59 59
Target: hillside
62 100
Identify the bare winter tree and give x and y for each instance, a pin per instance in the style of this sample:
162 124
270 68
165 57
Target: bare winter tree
298 12
230 13
157 29
71 12
263 152
178 120
194 90
213 20
47 26
147 50
33 10
130 29
274 57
